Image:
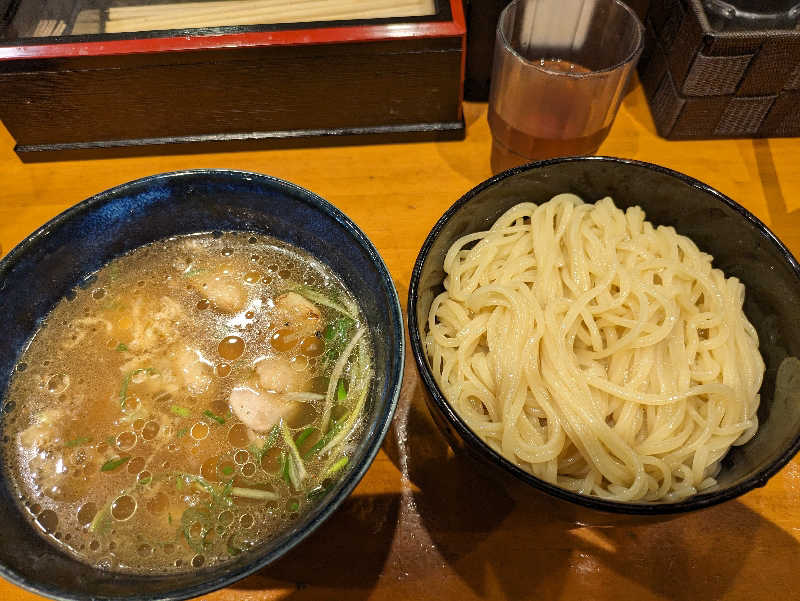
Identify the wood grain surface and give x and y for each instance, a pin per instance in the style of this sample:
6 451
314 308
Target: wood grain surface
422 524
233 91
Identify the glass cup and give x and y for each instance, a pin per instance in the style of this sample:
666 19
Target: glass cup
559 73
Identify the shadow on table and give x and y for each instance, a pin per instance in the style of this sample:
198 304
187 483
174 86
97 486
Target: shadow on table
782 222
635 103
508 544
468 516
347 552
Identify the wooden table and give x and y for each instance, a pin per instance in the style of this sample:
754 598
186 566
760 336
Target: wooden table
421 525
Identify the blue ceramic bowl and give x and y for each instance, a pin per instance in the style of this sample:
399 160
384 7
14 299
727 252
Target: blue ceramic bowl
742 246
54 259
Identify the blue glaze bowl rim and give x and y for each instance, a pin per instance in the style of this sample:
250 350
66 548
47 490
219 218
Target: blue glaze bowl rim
382 422
485 452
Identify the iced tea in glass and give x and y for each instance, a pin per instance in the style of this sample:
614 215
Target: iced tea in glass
559 73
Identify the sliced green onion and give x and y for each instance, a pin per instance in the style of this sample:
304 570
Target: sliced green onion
123 391
113 464
182 432
227 470
220 496
303 436
341 393
321 299
273 436
336 335
76 442
253 493
337 466
355 413
191 272
285 467
180 411
297 469
338 369
214 416
294 506
270 442
101 517
121 347
335 427
191 517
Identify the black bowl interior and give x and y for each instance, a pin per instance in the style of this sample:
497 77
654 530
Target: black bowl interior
52 261
741 245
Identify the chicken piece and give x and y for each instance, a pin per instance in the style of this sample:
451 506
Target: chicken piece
261 407
260 411
226 294
295 311
277 375
191 370
44 430
149 326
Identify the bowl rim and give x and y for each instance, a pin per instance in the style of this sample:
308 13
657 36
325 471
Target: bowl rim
485 452
374 435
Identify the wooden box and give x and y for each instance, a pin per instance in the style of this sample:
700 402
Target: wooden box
74 83
706 79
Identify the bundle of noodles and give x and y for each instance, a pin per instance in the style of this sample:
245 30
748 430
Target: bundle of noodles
596 351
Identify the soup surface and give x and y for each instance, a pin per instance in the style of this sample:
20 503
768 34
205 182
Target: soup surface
186 402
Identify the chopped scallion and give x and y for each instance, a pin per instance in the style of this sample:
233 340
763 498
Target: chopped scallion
113 464
325 300
296 467
253 493
337 466
123 391
335 427
285 467
273 437
214 416
180 411
121 347
192 272
76 442
303 436
270 442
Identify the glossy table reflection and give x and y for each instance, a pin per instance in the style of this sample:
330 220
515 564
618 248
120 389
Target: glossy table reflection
423 524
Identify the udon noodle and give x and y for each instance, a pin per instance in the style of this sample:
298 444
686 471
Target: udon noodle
596 351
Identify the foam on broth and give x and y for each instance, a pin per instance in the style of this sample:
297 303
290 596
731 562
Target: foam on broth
188 401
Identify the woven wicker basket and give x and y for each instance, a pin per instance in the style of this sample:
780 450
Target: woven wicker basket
702 83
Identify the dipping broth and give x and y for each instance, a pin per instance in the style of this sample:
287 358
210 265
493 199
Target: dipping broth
188 401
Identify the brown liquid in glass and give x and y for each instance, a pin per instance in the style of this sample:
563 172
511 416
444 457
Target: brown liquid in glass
512 146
